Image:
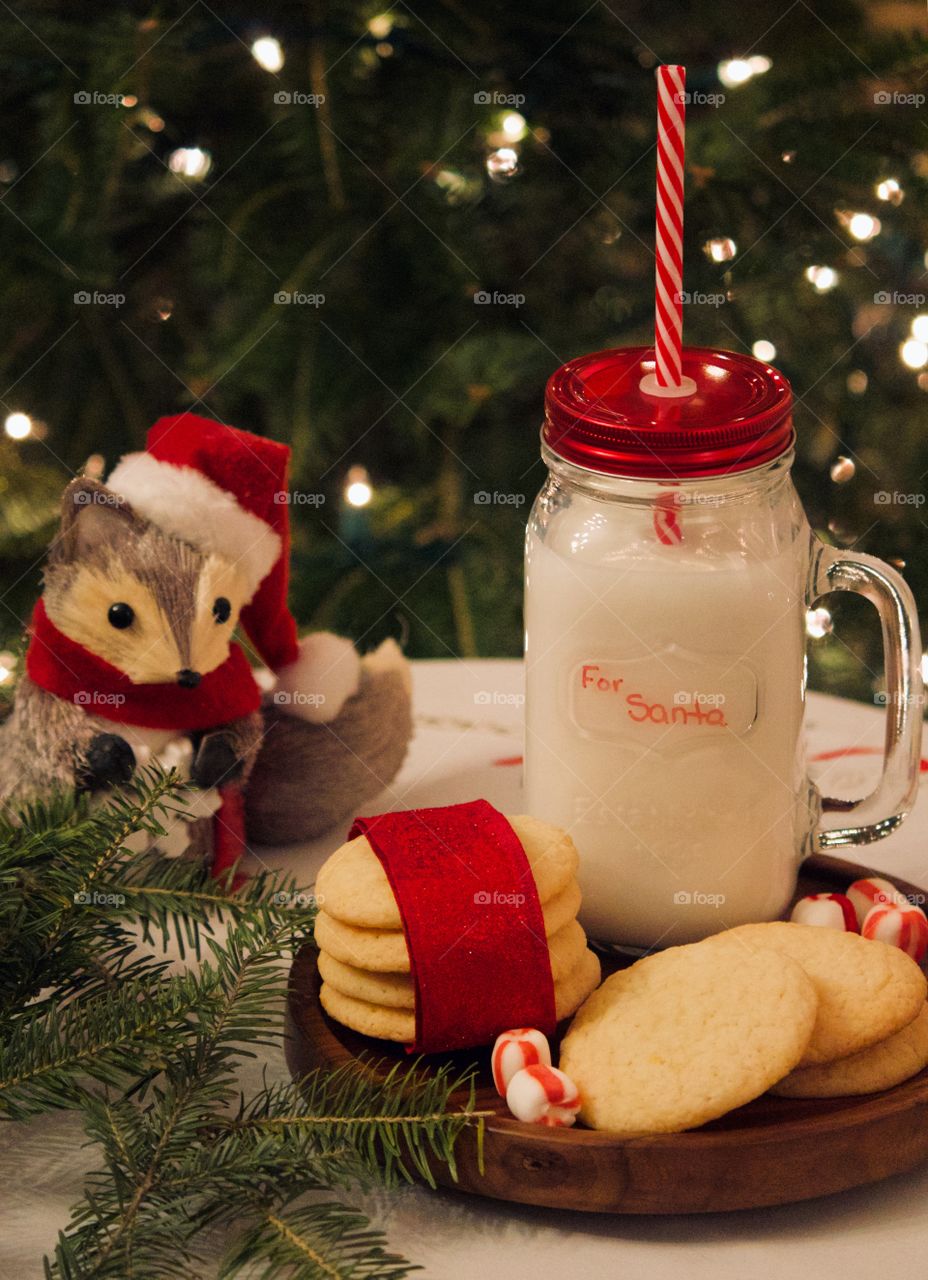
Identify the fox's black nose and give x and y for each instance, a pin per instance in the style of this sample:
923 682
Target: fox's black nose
188 679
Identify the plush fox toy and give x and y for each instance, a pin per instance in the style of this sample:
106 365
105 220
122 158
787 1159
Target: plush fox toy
131 657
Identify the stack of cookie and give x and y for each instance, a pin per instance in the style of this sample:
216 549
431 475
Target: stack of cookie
686 1035
363 959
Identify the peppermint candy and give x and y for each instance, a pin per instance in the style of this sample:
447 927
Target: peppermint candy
513 1050
873 891
540 1094
902 925
831 910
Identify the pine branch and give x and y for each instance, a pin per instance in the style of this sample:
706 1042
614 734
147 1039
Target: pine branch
120 1037
398 1125
91 1019
319 1242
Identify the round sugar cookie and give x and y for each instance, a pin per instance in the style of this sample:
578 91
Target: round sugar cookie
400 1024
683 1036
882 1066
393 990
396 990
384 950
353 887
867 990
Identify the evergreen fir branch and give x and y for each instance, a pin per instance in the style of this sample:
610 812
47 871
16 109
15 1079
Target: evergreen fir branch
398 1124
50 879
318 1242
180 1162
179 900
90 1020
124 1035
124 1217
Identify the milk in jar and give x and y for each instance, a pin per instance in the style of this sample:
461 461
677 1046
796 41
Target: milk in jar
669 566
663 709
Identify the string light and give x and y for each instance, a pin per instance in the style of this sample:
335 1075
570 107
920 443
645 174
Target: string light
190 162
18 426
7 666
740 70
358 488
514 126
503 163
457 187
818 623
764 350
914 354
720 249
857 382
863 226
823 278
842 470
380 26
268 54
920 328
889 189
151 120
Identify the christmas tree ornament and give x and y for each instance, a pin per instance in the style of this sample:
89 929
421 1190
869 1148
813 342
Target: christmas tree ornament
131 657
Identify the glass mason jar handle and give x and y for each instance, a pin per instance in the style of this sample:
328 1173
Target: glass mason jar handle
880 813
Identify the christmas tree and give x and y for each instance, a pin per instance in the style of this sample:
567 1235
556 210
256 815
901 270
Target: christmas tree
374 233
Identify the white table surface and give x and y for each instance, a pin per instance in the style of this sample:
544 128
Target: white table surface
467 743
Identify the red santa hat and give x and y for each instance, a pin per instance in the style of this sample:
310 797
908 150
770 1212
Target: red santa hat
225 491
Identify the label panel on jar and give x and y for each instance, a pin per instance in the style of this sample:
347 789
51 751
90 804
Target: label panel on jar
674 696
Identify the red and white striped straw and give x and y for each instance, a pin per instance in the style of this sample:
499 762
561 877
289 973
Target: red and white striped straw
668 322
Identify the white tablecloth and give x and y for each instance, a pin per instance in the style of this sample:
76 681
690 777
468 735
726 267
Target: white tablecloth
467 744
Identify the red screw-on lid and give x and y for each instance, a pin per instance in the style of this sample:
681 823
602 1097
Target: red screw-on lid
596 415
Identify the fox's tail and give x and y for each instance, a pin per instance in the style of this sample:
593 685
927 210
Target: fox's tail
308 778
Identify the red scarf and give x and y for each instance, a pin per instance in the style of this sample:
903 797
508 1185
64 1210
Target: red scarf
68 670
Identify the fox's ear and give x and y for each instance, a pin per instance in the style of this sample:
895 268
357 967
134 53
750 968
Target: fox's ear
92 517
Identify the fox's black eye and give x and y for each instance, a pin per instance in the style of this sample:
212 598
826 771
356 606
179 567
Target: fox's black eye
121 615
222 609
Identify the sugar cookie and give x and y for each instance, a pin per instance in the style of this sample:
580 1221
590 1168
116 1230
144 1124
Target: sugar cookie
867 991
685 1035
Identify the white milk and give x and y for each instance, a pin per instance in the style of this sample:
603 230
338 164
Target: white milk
664 704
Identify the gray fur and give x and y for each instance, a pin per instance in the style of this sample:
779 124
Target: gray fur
100 528
43 743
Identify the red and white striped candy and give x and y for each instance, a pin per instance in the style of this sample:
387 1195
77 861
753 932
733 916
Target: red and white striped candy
831 910
871 892
521 1047
543 1095
905 927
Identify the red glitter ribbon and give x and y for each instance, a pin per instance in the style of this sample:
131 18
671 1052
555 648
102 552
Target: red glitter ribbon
474 929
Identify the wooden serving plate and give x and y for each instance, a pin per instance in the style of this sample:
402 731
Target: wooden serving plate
772 1151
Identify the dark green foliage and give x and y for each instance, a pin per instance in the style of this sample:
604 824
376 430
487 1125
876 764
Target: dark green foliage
91 1020
380 200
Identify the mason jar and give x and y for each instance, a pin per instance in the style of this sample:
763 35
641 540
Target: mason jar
669 567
